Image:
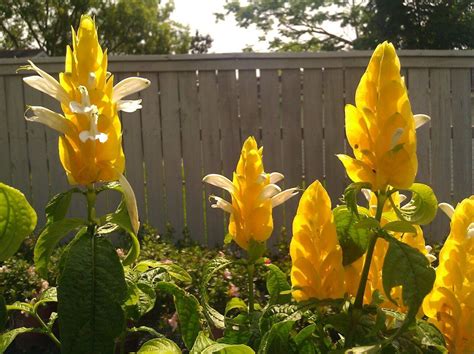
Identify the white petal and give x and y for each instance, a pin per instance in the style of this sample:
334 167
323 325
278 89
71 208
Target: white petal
470 231
447 208
47 117
221 204
262 177
282 197
130 202
431 257
219 181
366 192
129 106
276 177
87 135
401 198
396 137
269 191
128 86
45 83
420 120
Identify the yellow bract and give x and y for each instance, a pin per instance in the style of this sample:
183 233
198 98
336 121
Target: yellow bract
254 194
380 128
450 305
316 255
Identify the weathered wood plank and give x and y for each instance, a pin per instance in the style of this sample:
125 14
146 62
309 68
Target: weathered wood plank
440 83
333 132
37 156
132 144
152 153
291 123
313 125
17 131
170 125
192 158
462 136
5 171
248 96
211 151
229 120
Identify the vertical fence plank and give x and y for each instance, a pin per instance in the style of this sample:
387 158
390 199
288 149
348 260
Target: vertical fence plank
271 132
291 123
211 151
38 156
169 102
229 119
333 132
132 143
152 153
249 118
17 131
192 159
419 93
462 135
5 172
441 145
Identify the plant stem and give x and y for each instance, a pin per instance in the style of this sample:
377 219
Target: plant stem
359 300
250 272
91 197
47 329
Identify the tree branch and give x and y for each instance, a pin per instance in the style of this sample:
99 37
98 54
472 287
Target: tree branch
11 36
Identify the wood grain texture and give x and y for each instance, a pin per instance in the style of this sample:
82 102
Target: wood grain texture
5 171
248 104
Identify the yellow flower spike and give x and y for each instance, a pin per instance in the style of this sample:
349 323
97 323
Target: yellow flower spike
380 128
90 142
450 305
254 195
316 255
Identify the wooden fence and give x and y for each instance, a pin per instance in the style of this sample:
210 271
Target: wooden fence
200 108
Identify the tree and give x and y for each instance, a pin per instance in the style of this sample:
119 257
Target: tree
125 26
303 25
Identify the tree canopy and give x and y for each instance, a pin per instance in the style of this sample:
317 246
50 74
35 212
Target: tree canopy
125 26
304 25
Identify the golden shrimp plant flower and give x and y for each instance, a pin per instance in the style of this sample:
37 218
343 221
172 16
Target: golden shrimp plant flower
317 271
380 128
254 194
90 142
450 305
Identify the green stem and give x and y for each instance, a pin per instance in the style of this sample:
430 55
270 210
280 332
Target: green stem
91 198
359 300
47 329
250 272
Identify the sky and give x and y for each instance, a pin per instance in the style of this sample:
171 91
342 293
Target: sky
228 37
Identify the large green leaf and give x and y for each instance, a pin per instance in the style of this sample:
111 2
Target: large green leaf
17 220
422 207
91 290
277 286
350 195
159 346
141 299
188 309
212 315
57 207
7 338
406 266
48 240
277 339
205 345
202 342
173 270
354 240
3 313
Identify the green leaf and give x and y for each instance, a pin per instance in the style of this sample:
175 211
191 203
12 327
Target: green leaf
400 226
277 339
235 303
276 285
367 223
3 313
159 346
304 334
91 290
369 349
7 338
188 309
122 220
255 251
140 300
49 295
406 266
422 207
20 306
17 220
353 240
221 348
48 240
58 206
350 195
202 342
174 270
213 316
